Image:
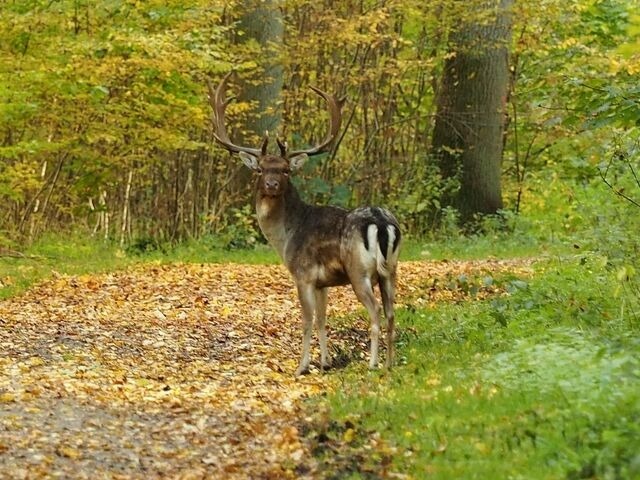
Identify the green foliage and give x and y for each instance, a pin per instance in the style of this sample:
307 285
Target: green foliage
541 383
143 245
95 91
53 255
241 230
319 190
417 200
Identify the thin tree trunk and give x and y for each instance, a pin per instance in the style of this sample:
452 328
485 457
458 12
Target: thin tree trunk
106 217
54 181
206 201
176 198
125 209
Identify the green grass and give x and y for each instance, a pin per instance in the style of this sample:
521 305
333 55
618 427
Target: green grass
543 383
75 255
57 254
476 247
206 252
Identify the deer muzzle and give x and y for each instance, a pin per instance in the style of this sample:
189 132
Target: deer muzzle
271 186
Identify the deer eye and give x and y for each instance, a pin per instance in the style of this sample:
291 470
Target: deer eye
285 173
258 171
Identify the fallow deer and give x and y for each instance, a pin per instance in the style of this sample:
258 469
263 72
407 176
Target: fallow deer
321 246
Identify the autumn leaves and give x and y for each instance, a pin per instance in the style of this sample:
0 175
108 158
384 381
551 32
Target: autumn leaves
181 370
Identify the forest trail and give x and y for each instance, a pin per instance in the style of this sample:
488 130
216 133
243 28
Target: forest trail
179 371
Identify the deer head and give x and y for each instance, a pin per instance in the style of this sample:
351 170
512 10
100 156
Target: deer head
274 170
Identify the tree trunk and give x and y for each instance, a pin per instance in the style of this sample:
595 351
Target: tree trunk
124 227
260 23
469 128
260 29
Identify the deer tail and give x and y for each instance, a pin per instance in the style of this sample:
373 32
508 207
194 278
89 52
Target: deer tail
383 241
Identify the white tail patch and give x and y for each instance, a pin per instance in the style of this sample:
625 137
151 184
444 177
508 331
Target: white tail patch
372 238
391 230
385 261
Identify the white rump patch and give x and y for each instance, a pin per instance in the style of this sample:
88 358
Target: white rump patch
372 238
367 256
373 256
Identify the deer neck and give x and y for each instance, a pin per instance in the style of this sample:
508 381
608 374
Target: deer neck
278 216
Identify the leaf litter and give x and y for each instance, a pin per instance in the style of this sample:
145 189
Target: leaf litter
180 371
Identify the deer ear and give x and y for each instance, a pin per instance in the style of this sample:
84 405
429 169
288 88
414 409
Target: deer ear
250 161
296 163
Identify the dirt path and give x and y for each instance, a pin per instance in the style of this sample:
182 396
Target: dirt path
180 371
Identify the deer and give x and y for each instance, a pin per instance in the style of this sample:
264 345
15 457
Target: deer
322 246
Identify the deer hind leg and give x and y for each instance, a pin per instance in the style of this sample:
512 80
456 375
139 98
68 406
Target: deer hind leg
387 292
364 292
307 297
321 321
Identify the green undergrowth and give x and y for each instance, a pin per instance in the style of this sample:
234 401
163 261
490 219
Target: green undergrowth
478 246
541 383
56 255
77 254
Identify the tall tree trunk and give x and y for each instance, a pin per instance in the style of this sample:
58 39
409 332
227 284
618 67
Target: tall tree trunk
469 127
261 23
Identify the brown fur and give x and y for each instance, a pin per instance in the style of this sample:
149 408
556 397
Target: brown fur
323 246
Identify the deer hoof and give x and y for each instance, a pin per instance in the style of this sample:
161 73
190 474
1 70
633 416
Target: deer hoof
302 371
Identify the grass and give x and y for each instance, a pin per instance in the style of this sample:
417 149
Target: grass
61 255
75 255
476 247
543 383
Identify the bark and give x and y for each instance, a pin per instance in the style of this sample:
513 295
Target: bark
261 23
260 28
469 128
125 209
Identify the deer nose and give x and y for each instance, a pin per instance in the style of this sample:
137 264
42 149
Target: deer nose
272 184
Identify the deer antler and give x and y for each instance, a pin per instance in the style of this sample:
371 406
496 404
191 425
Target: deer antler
218 101
335 119
282 145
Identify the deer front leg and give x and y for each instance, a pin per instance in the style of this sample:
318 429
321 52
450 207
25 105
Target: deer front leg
307 297
321 321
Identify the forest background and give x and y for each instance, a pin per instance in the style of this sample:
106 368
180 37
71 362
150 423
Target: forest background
506 129
105 122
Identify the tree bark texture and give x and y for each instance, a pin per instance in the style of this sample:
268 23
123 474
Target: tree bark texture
469 127
262 22
261 28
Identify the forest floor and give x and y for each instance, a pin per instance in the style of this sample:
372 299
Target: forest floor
180 371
